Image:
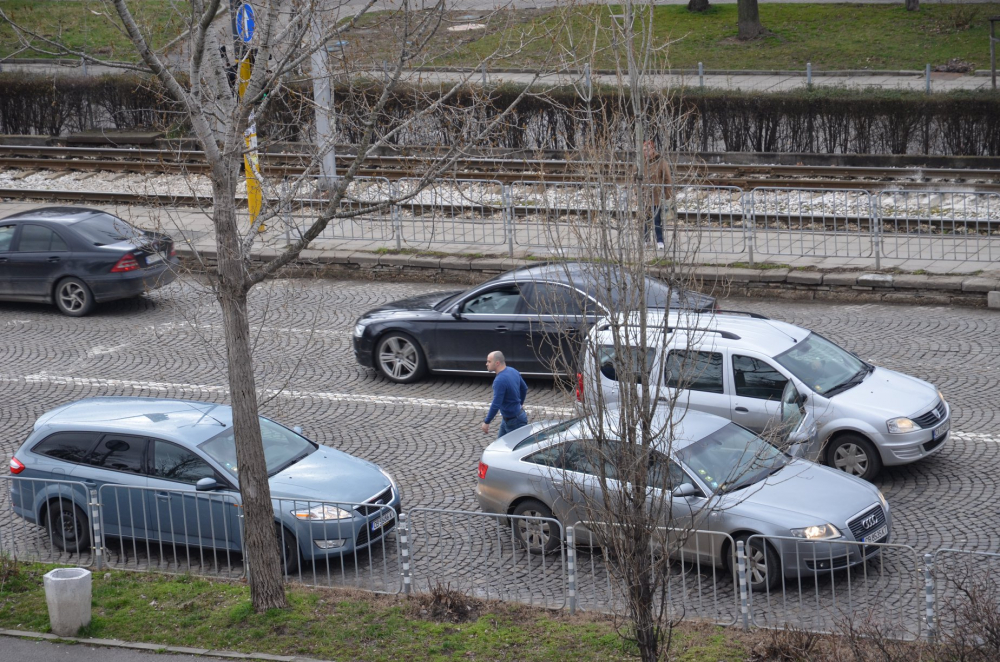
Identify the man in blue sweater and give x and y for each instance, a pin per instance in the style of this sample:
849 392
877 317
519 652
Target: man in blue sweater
509 392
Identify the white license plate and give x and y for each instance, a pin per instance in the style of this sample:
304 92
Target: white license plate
875 536
940 431
382 521
153 258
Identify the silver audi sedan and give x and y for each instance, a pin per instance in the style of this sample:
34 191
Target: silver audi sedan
793 515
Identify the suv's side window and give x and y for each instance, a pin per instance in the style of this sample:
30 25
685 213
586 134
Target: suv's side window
697 371
499 301
629 366
67 446
6 236
171 462
120 452
754 378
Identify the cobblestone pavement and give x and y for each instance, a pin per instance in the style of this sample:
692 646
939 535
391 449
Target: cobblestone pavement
169 344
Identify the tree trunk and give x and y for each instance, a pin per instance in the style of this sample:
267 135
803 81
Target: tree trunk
912 5
267 589
748 20
698 5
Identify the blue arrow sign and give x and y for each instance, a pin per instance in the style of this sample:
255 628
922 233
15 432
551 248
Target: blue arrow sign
245 22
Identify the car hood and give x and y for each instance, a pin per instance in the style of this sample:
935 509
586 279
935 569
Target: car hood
329 475
803 494
405 307
889 393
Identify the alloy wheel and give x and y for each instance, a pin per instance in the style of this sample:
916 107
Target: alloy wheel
757 565
73 297
398 358
851 458
534 534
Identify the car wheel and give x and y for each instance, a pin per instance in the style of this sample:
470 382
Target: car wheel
73 297
399 357
537 537
68 527
855 455
289 550
763 566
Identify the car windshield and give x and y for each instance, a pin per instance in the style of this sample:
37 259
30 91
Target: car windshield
732 458
821 365
282 447
103 229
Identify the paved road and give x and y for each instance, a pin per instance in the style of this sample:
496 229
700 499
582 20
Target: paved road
29 650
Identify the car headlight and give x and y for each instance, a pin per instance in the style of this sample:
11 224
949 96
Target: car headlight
817 532
881 498
941 395
359 330
322 512
900 425
388 475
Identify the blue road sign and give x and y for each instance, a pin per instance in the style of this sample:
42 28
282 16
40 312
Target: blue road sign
245 22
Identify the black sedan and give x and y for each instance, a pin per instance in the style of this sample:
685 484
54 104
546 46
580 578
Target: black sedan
75 257
531 314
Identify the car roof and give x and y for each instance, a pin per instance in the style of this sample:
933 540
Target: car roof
187 421
64 215
735 331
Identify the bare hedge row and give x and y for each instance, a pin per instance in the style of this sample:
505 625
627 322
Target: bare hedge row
822 121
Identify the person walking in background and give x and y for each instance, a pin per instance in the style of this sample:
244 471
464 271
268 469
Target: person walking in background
509 392
659 177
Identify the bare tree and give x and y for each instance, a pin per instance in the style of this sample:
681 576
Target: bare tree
698 5
912 5
200 80
748 24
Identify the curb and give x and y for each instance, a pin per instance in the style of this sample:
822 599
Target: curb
157 648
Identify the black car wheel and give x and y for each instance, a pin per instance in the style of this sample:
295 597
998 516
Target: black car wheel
289 550
537 537
68 527
73 297
763 566
855 455
399 358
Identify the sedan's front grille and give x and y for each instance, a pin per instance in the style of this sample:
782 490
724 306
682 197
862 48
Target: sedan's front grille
868 521
366 535
931 418
378 503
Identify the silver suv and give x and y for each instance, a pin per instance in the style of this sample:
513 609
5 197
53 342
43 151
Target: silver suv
736 365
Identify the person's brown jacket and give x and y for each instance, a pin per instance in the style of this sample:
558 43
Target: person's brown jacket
658 174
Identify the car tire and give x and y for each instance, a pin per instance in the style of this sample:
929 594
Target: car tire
536 537
73 297
399 358
763 565
855 455
288 549
68 527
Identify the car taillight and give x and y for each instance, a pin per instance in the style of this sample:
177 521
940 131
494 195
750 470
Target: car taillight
15 466
579 387
173 252
482 470
717 308
127 263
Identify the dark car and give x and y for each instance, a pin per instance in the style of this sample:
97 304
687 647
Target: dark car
534 315
76 257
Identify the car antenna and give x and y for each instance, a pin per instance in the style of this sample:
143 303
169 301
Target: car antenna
205 414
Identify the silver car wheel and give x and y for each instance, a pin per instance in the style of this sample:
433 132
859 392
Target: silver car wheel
757 565
851 458
535 534
398 358
72 296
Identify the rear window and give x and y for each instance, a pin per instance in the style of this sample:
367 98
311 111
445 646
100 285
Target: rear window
104 229
547 433
67 446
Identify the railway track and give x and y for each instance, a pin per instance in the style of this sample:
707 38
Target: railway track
508 170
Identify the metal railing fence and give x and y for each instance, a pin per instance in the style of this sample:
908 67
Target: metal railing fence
49 521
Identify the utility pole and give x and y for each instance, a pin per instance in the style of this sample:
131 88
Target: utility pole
323 96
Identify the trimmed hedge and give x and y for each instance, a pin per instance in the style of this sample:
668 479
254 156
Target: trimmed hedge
824 120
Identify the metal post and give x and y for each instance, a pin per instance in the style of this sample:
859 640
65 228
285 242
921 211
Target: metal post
397 218
701 75
589 83
83 63
809 75
95 522
929 594
571 568
876 234
927 76
741 564
323 97
508 220
748 224
404 551
484 75
993 51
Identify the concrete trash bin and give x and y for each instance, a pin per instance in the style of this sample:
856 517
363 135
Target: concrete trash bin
67 593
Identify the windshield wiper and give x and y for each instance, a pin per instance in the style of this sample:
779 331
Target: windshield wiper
295 459
855 379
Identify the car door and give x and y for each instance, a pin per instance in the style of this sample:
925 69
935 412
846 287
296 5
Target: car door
116 468
177 511
480 324
7 232
757 389
686 516
696 378
40 255
548 338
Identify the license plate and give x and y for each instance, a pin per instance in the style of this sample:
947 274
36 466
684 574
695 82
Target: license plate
940 431
382 521
153 258
875 536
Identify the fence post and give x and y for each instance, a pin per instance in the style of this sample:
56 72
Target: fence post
95 522
741 563
701 75
929 594
748 223
404 552
571 568
927 75
508 219
809 75
484 74
397 221
876 232
589 83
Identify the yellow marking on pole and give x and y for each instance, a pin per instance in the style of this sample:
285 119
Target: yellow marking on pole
251 162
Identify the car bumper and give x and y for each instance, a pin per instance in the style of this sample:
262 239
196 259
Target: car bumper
899 449
800 558
133 283
363 350
337 538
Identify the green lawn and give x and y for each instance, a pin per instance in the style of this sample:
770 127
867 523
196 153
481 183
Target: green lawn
88 25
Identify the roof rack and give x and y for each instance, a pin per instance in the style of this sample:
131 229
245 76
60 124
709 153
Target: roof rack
756 316
728 335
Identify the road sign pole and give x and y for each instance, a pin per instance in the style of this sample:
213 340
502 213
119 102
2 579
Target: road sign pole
244 24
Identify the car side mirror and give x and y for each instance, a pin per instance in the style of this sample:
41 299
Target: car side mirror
684 490
206 484
457 314
297 429
803 398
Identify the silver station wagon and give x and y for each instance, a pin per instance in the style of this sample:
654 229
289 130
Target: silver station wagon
723 479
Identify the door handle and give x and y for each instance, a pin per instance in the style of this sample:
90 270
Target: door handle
3 259
743 410
501 328
54 258
163 496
